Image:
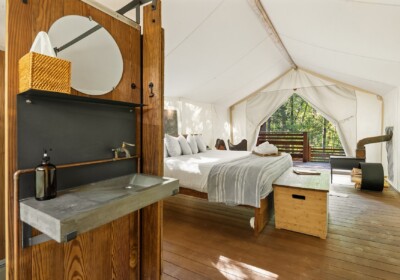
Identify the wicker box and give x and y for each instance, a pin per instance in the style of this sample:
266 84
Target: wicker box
42 72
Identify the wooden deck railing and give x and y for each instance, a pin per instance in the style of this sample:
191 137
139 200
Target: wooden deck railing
296 144
322 155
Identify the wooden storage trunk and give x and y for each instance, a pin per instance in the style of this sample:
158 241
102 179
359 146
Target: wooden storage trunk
302 206
42 72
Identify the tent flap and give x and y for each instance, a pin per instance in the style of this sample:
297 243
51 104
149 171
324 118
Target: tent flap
336 103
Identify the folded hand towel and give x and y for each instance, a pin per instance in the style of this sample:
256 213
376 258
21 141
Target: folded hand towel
266 149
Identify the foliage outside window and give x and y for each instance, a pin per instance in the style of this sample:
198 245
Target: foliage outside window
297 115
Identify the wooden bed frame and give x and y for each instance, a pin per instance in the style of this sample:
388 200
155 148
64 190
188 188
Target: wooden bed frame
261 215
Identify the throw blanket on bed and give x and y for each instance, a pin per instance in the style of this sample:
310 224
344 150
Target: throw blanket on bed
246 180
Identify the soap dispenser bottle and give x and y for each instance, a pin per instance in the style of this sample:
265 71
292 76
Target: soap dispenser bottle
46 179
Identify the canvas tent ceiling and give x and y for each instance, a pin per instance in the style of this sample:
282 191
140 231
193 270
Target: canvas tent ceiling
356 42
218 51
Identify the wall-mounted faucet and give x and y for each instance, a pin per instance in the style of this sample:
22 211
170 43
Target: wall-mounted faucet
122 149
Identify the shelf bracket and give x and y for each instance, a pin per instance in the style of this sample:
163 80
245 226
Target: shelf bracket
28 240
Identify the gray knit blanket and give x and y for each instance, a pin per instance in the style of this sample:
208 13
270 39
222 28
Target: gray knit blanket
245 181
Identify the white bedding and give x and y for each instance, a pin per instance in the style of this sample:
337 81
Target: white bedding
192 170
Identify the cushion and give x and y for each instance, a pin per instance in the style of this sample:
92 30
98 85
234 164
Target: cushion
220 144
173 147
186 150
193 144
242 146
201 144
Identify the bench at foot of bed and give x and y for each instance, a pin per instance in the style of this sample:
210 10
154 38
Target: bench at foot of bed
261 215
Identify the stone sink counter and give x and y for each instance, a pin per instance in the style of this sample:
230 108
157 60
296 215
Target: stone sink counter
86 207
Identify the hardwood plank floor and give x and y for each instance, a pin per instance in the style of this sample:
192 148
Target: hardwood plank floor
204 240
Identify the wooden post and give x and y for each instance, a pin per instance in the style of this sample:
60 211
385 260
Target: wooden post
305 147
153 158
2 208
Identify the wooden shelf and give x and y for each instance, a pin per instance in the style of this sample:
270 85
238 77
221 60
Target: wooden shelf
38 94
86 207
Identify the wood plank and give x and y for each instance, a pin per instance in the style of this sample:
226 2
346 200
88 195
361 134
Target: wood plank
292 181
229 268
194 193
92 255
153 72
18 39
178 272
197 267
120 252
356 248
2 159
261 214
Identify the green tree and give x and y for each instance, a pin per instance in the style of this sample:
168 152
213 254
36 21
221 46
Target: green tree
296 116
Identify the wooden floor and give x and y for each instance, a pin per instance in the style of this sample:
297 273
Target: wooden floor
211 241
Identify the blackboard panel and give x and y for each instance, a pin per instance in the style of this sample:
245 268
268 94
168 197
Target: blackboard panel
75 132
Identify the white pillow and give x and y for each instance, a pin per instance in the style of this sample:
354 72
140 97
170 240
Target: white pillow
186 150
173 147
165 150
201 144
193 144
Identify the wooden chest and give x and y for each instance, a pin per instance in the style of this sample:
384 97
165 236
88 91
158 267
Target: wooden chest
301 203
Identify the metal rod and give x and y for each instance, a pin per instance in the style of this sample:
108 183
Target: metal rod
77 39
128 7
17 175
138 14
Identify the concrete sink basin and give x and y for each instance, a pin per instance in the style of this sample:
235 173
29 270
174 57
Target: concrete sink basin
86 207
142 181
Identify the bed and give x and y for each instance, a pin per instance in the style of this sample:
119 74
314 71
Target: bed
230 177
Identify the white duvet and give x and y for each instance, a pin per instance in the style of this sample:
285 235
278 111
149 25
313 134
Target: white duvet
192 170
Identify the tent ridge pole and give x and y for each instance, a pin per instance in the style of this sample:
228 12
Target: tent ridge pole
274 33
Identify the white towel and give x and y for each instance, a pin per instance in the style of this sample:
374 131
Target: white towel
266 149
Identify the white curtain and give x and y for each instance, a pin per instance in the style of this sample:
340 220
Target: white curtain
336 103
339 106
259 108
239 121
200 118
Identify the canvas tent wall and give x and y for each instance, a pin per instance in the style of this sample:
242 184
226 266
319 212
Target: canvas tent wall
212 121
343 106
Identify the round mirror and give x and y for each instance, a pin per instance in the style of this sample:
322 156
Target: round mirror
96 60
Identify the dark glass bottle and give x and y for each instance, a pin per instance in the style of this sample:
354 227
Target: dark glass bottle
46 179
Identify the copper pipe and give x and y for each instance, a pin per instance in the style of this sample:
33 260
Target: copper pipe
31 170
17 238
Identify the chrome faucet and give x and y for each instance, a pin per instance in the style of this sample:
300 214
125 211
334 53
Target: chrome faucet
122 149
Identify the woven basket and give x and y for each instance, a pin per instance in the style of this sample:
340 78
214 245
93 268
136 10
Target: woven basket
42 72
